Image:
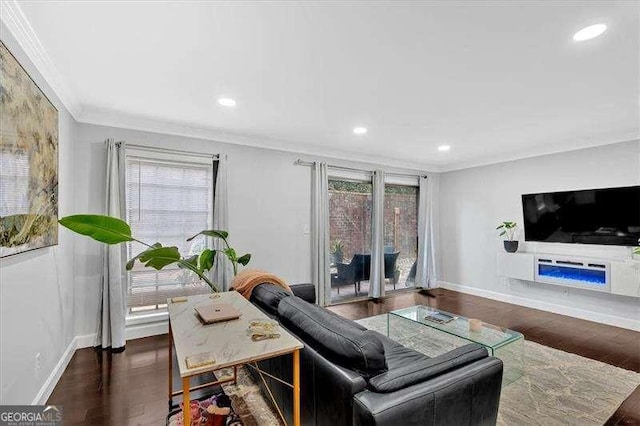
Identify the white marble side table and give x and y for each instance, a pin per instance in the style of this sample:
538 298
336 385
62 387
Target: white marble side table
228 343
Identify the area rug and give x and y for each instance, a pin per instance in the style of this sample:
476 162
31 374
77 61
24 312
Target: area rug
556 387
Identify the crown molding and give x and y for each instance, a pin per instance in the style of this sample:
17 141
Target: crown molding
20 28
542 150
123 120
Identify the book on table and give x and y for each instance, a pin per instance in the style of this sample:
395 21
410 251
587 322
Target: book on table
440 317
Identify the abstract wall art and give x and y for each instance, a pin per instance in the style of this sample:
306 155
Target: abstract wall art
28 161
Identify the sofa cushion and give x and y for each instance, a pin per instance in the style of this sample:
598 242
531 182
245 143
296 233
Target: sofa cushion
267 296
398 355
334 317
338 339
419 371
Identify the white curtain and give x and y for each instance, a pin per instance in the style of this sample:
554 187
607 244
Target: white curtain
222 272
426 268
320 233
111 324
376 275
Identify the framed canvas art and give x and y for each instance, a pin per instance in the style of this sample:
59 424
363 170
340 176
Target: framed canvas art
28 161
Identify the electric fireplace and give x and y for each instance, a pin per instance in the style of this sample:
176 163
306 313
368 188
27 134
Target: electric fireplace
573 273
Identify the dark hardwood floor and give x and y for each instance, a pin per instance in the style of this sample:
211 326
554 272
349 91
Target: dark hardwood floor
99 388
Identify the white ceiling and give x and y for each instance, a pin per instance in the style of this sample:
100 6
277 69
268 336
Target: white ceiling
496 80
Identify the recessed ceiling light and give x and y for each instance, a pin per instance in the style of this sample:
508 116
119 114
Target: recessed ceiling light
228 102
444 148
592 31
359 130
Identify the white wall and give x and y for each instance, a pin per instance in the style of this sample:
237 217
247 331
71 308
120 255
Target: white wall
474 201
269 206
36 287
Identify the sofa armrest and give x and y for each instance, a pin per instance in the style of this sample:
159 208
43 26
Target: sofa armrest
305 291
467 395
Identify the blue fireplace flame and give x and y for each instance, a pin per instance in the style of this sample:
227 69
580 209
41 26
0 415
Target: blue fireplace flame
588 276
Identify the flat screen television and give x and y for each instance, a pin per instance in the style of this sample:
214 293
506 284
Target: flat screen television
591 216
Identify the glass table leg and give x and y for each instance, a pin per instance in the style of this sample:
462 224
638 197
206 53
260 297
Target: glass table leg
511 356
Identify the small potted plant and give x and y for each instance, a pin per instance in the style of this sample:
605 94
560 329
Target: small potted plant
337 251
509 229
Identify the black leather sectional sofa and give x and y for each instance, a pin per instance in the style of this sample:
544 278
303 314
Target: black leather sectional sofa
354 376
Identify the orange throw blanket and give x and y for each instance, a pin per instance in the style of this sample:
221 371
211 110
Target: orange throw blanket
247 280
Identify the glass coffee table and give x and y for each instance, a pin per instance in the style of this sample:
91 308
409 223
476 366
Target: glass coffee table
500 342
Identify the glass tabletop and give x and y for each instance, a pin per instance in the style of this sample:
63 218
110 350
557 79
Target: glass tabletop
488 335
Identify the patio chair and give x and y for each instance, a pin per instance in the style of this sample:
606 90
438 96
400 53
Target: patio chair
359 270
411 278
353 272
390 259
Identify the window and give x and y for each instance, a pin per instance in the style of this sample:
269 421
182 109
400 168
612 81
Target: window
168 199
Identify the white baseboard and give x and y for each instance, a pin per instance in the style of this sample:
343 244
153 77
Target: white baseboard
86 341
613 320
137 331
47 388
146 330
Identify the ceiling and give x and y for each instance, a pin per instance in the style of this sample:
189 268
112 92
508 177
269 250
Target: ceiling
495 80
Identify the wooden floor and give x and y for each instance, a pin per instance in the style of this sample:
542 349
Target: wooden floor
130 388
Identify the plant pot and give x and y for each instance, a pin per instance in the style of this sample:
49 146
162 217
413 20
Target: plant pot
511 246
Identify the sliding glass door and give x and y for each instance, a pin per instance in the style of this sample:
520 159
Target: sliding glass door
351 220
400 236
350 206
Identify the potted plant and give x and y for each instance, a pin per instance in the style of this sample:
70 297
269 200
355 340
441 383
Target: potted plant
111 230
337 251
509 229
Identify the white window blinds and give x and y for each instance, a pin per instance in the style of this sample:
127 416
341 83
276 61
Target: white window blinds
169 199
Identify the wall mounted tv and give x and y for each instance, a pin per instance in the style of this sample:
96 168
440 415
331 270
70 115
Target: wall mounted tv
592 216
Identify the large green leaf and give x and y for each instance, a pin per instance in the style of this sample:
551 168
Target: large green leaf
105 229
160 257
206 259
244 259
212 233
132 261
